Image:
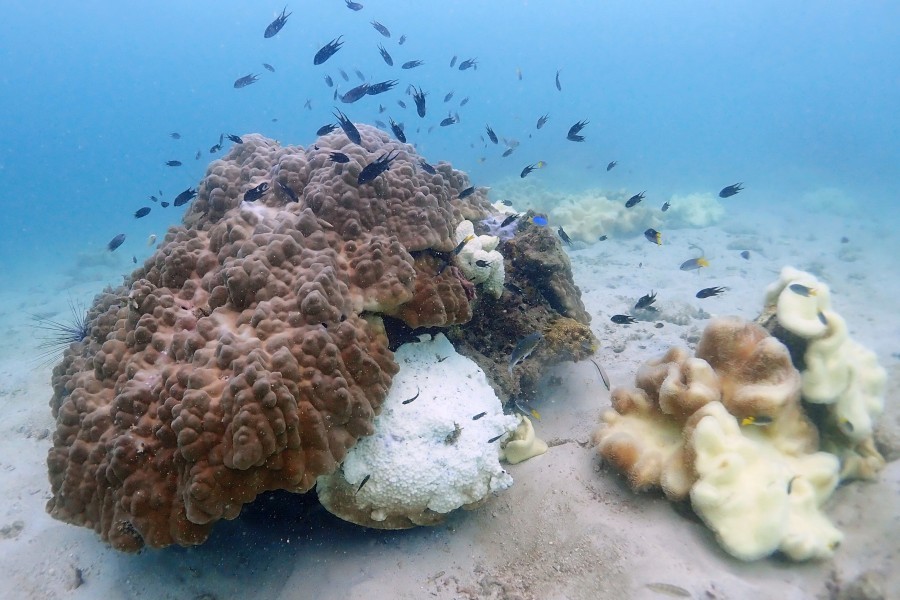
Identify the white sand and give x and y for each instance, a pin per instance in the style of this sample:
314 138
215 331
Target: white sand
568 528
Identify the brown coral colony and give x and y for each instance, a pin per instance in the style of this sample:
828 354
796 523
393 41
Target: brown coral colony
249 353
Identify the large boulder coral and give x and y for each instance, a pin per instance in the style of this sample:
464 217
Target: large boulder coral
725 428
249 352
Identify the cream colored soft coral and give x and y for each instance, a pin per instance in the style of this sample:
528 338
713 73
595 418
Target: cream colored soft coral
839 372
681 430
756 499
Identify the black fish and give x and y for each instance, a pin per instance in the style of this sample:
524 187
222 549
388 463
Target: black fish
164 204
254 194
563 235
184 197
154 198
510 219
329 81
666 206
355 94
397 128
344 74
507 152
464 101
198 155
288 192
573 131
387 57
359 75
731 190
558 85
401 103
339 157
381 29
175 135
542 121
467 192
380 124
362 483
496 437
450 120
612 164
646 301
173 163
482 263
376 167
654 236
745 255
469 63
235 138
634 199
491 135
623 319
142 212
402 40
381 109
448 97
276 25
527 170
381 87
710 291
349 128
353 5
603 238
116 242
419 97
328 50
326 129
411 64
427 168
269 67
478 416
245 81
453 61
134 259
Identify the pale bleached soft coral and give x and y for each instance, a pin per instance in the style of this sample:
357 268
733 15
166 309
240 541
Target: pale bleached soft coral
587 216
756 499
677 431
838 372
693 210
523 443
479 259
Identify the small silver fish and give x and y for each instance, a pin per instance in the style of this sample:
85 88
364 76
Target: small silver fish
524 348
603 375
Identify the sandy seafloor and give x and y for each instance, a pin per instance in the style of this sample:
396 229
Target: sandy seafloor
568 528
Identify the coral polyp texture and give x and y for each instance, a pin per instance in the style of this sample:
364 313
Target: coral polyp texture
726 429
249 353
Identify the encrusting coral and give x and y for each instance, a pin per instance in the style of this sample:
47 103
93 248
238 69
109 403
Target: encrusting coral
250 353
726 429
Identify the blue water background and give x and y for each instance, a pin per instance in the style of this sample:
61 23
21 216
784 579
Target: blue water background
687 96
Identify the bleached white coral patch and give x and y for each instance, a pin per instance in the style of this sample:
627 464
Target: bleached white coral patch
479 260
429 453
693 210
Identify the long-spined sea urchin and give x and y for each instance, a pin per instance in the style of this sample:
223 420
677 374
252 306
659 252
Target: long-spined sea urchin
57 335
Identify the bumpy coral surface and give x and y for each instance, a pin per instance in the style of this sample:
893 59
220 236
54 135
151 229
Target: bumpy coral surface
248 353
